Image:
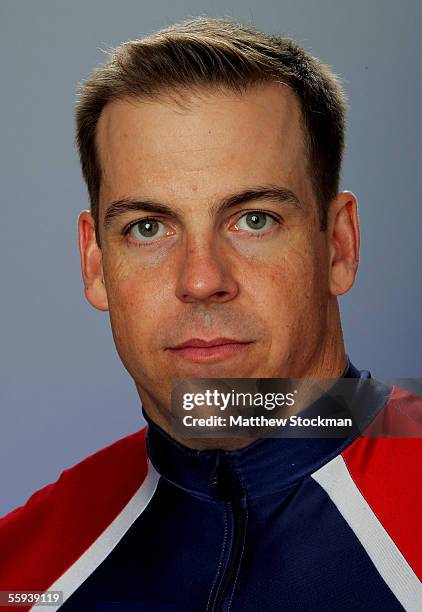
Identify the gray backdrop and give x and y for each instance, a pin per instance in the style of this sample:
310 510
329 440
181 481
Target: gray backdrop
63 392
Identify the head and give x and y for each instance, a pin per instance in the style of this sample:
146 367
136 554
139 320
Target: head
212 155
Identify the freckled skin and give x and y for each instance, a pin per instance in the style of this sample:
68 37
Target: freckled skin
208 278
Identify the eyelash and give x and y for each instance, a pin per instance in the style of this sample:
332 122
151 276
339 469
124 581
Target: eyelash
272 216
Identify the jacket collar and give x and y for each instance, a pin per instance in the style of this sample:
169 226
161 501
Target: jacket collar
266 466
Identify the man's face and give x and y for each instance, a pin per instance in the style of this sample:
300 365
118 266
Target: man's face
255 272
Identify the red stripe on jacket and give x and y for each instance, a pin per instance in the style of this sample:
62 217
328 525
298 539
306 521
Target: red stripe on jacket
387 471
40 540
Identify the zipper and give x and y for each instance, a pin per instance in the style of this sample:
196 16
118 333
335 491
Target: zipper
230 490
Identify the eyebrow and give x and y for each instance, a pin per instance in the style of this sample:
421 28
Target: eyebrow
274 193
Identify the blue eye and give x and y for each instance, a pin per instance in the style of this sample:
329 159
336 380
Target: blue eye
256 220
146 229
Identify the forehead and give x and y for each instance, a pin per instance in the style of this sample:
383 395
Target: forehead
213 144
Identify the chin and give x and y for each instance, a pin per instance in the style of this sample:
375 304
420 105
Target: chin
216 370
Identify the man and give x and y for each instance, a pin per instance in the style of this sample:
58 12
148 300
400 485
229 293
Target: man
219 243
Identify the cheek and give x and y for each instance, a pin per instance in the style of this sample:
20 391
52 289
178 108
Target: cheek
290 290
137 301
132 279
135 315
135 304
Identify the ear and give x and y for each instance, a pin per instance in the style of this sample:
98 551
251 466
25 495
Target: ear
91 262
344 242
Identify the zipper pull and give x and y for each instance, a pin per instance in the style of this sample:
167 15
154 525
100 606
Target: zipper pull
225 486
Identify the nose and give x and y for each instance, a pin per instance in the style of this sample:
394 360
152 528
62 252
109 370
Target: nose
205 275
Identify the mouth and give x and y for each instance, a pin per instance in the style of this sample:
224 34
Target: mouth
199 350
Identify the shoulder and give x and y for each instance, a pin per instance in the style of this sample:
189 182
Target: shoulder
40 539
401 417
384 464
